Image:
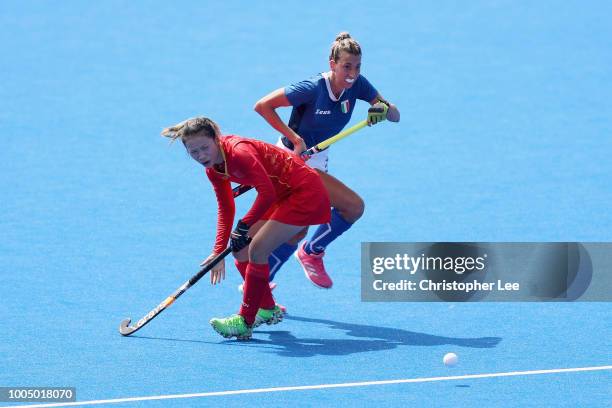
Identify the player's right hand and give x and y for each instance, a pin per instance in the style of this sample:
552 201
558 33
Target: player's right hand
300 147
217 273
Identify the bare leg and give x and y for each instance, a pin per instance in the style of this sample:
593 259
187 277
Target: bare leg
267 236
342 198
348 203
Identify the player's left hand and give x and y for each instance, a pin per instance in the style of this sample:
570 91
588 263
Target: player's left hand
377 113
217 273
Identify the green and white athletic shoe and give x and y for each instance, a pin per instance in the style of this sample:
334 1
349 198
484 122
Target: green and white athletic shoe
233 326
268 316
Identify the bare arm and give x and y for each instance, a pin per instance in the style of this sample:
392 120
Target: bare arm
266 107
393 114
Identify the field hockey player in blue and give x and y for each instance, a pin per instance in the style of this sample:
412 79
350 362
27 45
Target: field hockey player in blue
321 107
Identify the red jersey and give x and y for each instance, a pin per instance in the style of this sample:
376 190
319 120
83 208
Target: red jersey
273 172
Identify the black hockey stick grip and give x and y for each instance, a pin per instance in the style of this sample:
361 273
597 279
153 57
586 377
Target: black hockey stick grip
241 189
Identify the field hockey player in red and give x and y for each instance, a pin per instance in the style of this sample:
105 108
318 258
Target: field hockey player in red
290 196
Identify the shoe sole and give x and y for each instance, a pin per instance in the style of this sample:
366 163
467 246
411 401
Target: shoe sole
308 277
275 319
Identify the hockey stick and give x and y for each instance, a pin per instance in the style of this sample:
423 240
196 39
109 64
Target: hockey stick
328 142
125 329
241 189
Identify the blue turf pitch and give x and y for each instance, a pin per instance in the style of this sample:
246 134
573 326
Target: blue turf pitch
505 136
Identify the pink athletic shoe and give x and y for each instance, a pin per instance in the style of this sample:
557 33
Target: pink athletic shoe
313 267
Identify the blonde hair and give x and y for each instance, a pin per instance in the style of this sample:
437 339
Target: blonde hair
198 126
344 42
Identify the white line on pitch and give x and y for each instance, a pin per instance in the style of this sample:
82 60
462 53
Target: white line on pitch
317 387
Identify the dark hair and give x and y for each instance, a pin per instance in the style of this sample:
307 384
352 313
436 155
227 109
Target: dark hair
344 42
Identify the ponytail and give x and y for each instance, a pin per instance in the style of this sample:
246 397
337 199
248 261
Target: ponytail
344 42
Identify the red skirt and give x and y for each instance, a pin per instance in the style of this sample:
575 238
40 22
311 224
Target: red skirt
306 204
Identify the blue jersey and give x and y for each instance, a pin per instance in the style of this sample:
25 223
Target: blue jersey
317 114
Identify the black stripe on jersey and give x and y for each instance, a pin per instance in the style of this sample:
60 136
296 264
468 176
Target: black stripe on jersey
297 114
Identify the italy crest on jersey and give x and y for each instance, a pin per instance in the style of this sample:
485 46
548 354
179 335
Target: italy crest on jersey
345 106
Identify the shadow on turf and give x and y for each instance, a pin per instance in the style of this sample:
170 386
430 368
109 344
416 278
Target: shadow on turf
370 338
